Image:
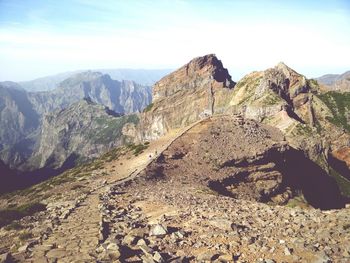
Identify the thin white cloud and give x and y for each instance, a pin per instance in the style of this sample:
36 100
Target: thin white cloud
170 39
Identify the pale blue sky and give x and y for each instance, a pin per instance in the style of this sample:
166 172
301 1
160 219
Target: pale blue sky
43 37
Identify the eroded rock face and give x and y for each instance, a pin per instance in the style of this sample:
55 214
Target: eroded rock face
196 90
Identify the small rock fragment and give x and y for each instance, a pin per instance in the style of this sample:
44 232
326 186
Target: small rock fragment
158 230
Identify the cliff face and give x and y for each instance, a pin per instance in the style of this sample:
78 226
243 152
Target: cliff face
82 131
120 96
198 89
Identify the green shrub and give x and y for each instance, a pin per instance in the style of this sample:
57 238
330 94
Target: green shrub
139 149
148 108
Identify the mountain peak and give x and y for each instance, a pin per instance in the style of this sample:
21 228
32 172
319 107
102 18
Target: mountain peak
80 77
89 74
285 69
198 73
210 64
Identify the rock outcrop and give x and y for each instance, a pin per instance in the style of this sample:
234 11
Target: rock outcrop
198 89
262 94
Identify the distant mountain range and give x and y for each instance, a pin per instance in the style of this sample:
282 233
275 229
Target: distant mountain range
339 82
146 77
51 128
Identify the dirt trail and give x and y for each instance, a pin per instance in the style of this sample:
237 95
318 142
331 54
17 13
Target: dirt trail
77 237
129 167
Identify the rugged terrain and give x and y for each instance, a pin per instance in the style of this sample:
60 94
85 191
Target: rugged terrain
172 211
253 171
311 118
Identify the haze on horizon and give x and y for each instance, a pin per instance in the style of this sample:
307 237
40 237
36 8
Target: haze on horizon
39 38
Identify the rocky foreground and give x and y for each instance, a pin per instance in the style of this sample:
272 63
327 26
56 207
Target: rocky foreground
157 207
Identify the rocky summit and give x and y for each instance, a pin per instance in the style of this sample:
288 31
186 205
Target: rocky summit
210 171
195 91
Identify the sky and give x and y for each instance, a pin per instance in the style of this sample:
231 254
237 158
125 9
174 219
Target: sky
45 37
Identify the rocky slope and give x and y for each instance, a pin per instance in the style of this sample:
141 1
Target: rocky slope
170 212
80 132
243 159
336 82
194 91
122 97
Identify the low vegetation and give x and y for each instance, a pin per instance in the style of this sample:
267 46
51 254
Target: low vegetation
113 154
302 129
339 105
297 201
8 215
14 226
112 128
48 188
138 148
148 108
